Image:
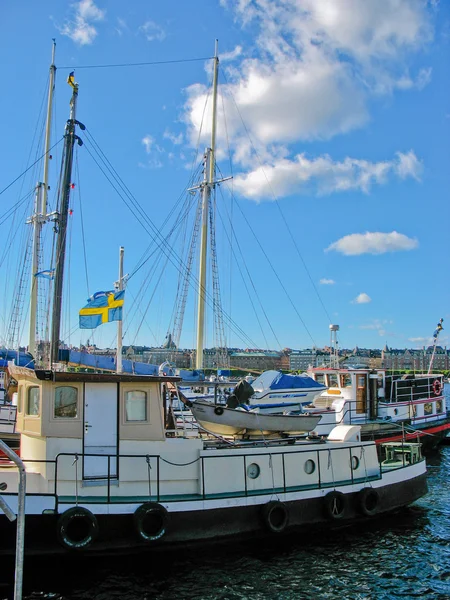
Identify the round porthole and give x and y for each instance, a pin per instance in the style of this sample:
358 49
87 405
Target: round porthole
355 462
310 466
253 471
395 411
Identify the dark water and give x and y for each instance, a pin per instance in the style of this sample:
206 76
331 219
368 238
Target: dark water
402 556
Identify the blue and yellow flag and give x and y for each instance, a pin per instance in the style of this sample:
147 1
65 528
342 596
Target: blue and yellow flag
102 307
71 80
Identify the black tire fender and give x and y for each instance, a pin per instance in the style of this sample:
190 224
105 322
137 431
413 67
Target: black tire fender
150 521
77 528
275 516
367 501
335 504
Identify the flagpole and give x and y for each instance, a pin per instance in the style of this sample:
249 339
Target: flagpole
438 329
119 367
61 219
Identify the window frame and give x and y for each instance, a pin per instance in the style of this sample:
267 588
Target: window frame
27 404
128 421
68 418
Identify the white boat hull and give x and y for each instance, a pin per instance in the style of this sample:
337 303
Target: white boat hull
227 421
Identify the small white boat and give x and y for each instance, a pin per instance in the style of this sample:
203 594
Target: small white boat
228 421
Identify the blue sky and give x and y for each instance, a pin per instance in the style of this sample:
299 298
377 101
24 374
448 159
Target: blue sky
336 116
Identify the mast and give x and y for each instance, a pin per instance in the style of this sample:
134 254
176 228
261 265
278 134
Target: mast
39 216
61 219
207 186
119 367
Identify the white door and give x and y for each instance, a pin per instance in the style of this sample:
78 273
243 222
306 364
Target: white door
100 430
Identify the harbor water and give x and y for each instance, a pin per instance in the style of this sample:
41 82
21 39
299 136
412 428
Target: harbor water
406 555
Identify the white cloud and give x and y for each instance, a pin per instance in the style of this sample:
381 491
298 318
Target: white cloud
362 298
153 31
373 243
148 142
312 72
175 139
80 29
322 175
228 56
424 341
325 281
377 325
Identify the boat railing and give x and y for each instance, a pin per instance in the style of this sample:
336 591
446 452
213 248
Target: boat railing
419 388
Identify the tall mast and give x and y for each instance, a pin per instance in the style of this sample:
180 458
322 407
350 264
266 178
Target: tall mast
40 211
64 195
207 186
119 368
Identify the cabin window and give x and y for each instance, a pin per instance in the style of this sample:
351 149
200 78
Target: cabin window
136 406
33 398
310 467
333 380
428 408
20 399
354 463
439 406
346 380
66 403
320 378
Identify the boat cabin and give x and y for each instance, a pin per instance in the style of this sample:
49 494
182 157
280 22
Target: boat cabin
88 413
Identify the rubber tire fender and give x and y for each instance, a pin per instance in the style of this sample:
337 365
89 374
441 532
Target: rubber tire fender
275 516
159 519
367 501
218 410
67 521
335 504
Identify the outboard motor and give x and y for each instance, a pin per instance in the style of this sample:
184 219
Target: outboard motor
241 393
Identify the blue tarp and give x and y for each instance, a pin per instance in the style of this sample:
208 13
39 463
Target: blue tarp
98 361
283 382
194 375
275 380
21 359
224 373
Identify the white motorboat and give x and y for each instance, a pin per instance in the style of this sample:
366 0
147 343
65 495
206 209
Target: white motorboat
274 392
228 421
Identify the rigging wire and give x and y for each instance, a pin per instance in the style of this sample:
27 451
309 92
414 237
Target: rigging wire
283 287
148 225
83 237
140 64
30 167
275 198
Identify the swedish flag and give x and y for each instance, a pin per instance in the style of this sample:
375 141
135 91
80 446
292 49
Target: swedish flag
102 307
71 80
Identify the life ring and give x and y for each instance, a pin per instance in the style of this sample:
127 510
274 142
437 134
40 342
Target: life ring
150 521
77 528
335 504
218 410
275 516
367 501
437 388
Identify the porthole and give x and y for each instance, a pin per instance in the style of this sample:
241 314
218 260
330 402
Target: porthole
354 462
395 411
253 471
310 466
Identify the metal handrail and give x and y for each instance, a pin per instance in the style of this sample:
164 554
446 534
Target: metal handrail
20 538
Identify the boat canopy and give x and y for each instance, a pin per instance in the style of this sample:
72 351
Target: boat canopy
275 380
21 359
108 363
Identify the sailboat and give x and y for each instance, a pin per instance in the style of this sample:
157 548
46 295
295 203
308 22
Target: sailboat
106 471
